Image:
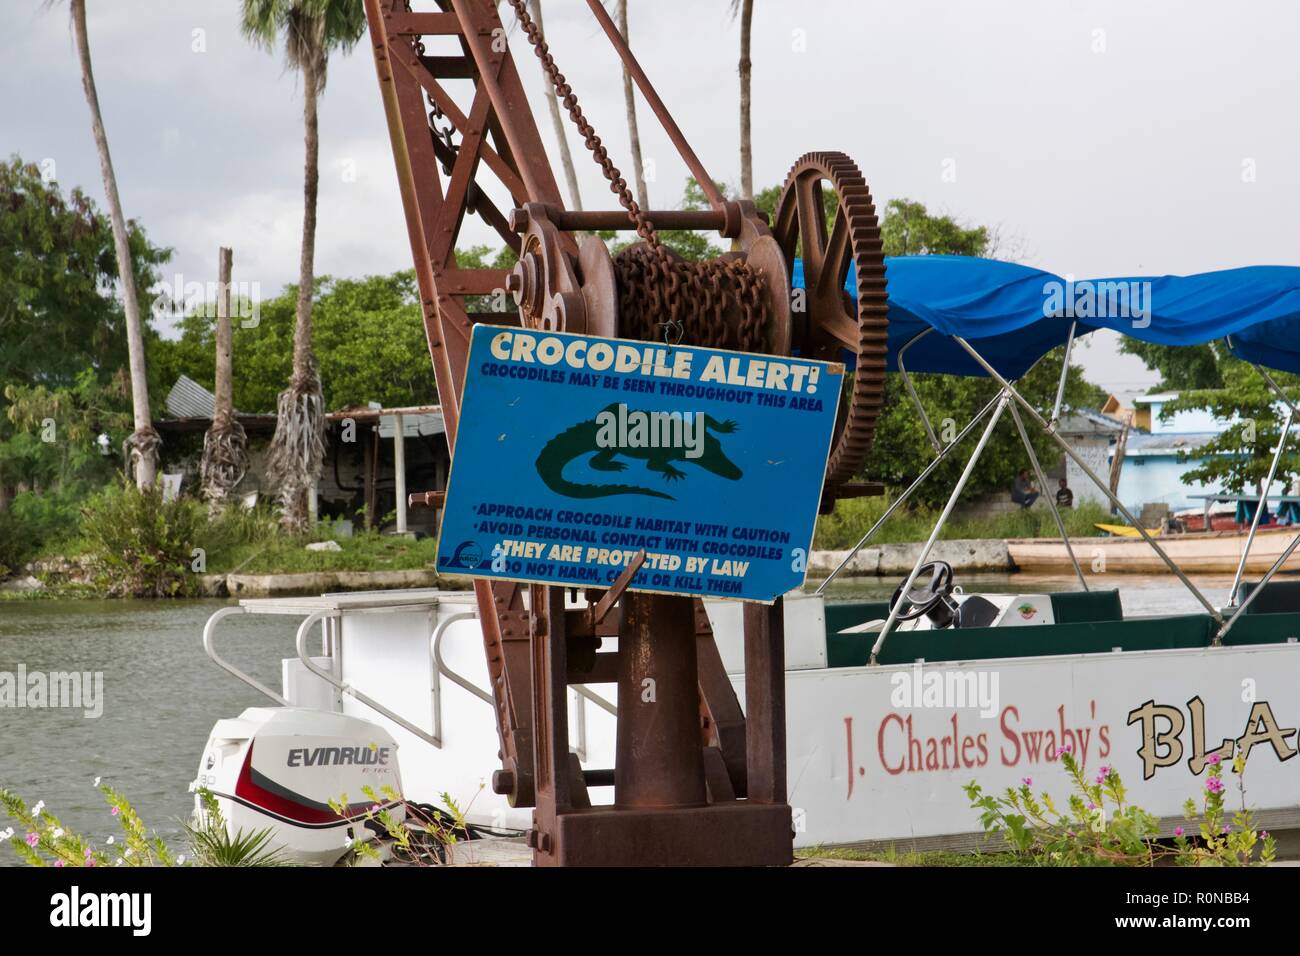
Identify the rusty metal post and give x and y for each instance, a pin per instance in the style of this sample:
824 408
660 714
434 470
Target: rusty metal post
765 701
659 761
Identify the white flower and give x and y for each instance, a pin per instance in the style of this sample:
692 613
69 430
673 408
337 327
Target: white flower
97 779
194 785
180 859
36 810
112 840
6 833
57 833
129 851
347 842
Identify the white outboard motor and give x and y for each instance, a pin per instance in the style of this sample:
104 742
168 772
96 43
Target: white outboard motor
279 767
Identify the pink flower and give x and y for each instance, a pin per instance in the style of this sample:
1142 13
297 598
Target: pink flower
115 811
1214 785
1091 805
1028 781
1178 831
1067 748
58 863
33 838
1214 758
1263 834
90 861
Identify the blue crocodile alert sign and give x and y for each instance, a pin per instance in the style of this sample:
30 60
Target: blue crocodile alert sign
575 453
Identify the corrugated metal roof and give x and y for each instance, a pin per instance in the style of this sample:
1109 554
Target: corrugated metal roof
1141 443
189 399
428 423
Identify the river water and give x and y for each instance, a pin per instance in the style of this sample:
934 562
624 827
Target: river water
161 694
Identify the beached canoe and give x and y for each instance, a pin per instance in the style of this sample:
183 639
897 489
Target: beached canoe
1215 553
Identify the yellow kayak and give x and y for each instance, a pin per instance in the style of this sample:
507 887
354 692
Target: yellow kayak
1124 531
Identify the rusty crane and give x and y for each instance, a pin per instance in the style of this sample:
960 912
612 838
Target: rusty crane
696 780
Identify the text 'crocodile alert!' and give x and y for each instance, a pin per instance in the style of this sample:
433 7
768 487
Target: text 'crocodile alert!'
749 371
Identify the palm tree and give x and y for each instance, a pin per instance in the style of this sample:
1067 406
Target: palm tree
629 100
557 122
746 10
144 441
225 453
310 30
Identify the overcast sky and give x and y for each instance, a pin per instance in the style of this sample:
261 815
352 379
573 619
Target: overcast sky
1102 138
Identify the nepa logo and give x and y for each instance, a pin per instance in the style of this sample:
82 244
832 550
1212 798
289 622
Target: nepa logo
657 438
468 555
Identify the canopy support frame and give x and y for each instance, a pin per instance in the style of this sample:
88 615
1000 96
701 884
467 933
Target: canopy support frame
1263 503
907 493
1065 375
911 390
1051 502
1003 398
1092 476
1268 576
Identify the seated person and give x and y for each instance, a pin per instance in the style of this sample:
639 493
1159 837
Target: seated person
1064 496
1023 491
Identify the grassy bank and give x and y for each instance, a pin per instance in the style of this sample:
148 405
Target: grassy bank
119 542
122 543
852 518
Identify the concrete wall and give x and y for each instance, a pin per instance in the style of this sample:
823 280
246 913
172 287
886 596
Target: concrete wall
896 560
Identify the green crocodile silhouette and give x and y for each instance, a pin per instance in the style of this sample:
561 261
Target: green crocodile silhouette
580 440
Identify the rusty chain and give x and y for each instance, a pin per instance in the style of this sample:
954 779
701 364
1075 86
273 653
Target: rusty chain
697 298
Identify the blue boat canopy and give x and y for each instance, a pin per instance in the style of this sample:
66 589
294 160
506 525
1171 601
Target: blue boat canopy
1013 314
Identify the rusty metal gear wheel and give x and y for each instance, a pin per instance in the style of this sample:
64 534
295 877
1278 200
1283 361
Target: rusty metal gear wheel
824 186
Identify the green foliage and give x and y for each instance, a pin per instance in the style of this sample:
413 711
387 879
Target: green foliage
341 23
1239 457
419 838
1180 366
1098 827
901 449
62 329
909 230
1209 378
138 544
368 339
853 517
1221 843
214 845
35 521
47 843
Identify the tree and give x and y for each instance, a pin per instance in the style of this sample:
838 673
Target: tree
1180 366
557 121
1209 378
63 345
629 103
225 454
310 30
369 343
745 8
144 441
908 229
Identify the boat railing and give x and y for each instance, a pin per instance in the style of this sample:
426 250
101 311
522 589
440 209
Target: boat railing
438 668
209 640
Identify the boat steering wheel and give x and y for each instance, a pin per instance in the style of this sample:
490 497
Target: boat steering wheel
927 598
